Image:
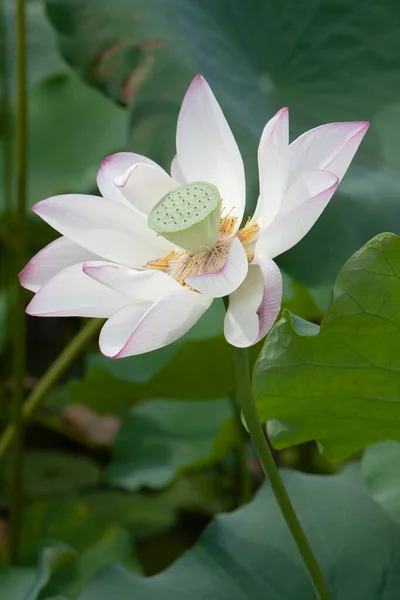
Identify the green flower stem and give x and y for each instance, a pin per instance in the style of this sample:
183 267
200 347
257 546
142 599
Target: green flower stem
52 375
246 402
242 472
19 332
5 109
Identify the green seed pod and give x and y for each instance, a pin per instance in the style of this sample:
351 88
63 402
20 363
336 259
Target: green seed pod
189 216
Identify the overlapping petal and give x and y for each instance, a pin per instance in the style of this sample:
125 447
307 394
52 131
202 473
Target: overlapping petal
329 147
309 197
176 171
273 167
228 279
114 166
206 148
50 260
255 305
146 286
107 229
144 326
72 293
144 185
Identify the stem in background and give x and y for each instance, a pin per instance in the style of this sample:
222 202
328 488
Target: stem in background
20 320
6 110
52 375
242 471
246 402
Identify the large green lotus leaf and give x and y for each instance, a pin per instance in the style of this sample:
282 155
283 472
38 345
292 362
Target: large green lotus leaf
130 51
26 583
161 438
328 61
381 467
250 554
339 384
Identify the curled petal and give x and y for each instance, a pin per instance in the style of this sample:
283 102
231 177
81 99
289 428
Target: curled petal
255 305
206 148
328 147
110 230
143 326
146 286
50 260
113 166
273 167
71 293
291 226
143 186
227 280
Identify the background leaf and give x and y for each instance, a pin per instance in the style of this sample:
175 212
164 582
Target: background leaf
380 466
161 438
356 543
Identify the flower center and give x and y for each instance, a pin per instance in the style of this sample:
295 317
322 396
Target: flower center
189 216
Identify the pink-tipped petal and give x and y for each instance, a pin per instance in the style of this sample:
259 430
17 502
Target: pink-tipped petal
71 293
146 286
176 171
206 148
50 260
144 327
291 226
273 167
113 166
228 279
108 229
143 186
328 147
255 305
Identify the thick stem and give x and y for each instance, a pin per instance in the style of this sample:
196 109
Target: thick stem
246 402
5 109
20 320
50 378
242 471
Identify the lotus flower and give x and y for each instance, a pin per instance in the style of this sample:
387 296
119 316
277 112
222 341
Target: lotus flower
154 251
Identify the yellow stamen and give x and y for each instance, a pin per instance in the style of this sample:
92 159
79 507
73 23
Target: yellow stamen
227 226
250 256
161 264
249 232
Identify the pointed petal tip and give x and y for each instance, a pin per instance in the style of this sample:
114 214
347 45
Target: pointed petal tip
35 208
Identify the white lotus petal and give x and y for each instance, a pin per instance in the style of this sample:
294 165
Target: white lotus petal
146 286
328 147
255 305
50 260
287 230
206 148
273 167
107 229
144 327
71 293
114 166
308 185
176 171
143 186
228 279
